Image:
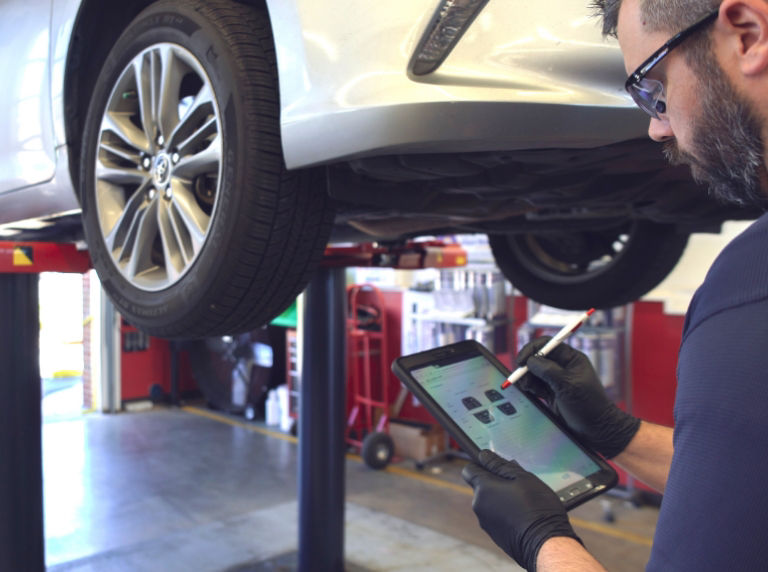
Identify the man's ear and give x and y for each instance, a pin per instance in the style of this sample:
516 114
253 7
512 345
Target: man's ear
744 24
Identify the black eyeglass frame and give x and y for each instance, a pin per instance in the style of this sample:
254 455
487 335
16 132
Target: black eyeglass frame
637 76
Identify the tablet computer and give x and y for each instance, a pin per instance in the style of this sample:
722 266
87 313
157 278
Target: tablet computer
460 384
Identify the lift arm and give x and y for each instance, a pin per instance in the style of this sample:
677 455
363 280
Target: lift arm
36 257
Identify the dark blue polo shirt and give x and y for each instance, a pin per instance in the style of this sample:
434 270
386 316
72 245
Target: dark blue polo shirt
714 515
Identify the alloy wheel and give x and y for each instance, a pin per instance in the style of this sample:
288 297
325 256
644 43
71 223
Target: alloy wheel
158 166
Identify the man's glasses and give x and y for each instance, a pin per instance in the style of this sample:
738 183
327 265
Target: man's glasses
649 93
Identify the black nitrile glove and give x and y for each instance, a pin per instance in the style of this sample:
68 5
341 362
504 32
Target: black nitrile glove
566 380
517 510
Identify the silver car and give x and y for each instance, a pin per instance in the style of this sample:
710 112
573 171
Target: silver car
207 151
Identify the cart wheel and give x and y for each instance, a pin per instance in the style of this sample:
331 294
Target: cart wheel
608 514
637 499
377 450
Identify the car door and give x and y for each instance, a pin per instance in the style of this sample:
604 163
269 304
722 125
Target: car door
26 125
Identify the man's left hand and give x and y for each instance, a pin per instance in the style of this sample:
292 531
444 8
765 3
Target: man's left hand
517 510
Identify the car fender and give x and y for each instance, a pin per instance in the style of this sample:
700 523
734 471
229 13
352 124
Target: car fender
63 16
344 80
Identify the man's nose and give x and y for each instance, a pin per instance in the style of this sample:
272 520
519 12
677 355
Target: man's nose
659 130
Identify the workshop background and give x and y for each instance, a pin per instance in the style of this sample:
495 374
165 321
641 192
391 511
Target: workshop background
182 456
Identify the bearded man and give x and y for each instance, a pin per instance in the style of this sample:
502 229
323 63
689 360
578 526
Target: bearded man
699 69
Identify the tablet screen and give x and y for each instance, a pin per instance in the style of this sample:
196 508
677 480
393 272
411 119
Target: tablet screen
504 421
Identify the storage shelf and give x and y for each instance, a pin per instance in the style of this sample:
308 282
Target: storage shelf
448 318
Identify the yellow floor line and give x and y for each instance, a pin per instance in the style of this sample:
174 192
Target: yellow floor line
578 522
465 490
253 428
246 426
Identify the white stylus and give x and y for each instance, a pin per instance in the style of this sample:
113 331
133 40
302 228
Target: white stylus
558 338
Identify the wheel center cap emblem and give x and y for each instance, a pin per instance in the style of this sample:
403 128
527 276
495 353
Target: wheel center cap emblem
162 170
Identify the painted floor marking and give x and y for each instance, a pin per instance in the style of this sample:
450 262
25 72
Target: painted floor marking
465 490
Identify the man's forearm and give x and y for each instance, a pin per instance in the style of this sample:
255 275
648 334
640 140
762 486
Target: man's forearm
648 455
563 554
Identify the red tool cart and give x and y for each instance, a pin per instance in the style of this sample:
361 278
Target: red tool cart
368 376
368 355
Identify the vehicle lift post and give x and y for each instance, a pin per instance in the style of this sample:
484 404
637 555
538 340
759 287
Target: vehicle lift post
22 540
322 421
322 434
321 424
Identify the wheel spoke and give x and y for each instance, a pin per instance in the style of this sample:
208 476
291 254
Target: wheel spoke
142 70
205 162
130 156
167 78
141 253
120 124
210 127
201 107
116 233
174 253
123 176
136 253
192 220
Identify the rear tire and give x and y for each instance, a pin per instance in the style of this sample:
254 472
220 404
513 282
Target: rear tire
228 239
601 268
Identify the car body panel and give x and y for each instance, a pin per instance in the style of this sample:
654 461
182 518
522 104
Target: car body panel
27 141
52 198
34 170
63 17
512 82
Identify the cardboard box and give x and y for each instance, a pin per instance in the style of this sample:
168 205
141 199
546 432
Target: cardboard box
416 440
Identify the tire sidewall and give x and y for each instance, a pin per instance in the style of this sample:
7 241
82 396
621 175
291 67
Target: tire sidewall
622 262
648 257
187 28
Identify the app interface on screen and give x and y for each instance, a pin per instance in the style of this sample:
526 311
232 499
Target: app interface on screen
504 421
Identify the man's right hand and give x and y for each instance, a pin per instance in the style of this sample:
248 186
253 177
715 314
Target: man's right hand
566 380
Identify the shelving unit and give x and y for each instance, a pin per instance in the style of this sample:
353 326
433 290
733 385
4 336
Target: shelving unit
465 304
293 379
604 339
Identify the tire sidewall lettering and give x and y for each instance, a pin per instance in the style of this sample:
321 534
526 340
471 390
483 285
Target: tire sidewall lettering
150 30
268 230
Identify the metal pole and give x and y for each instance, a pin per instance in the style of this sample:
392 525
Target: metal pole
321 424
175 397
22 543
110 348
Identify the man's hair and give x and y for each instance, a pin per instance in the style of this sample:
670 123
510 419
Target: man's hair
660 15
671 16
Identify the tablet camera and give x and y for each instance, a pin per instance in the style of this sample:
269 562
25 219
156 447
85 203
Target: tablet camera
471 402
507 408
484 416
494 395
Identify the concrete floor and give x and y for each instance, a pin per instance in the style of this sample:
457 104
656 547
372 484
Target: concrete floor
192 490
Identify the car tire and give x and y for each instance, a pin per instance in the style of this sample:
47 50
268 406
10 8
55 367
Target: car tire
595 268
193 223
